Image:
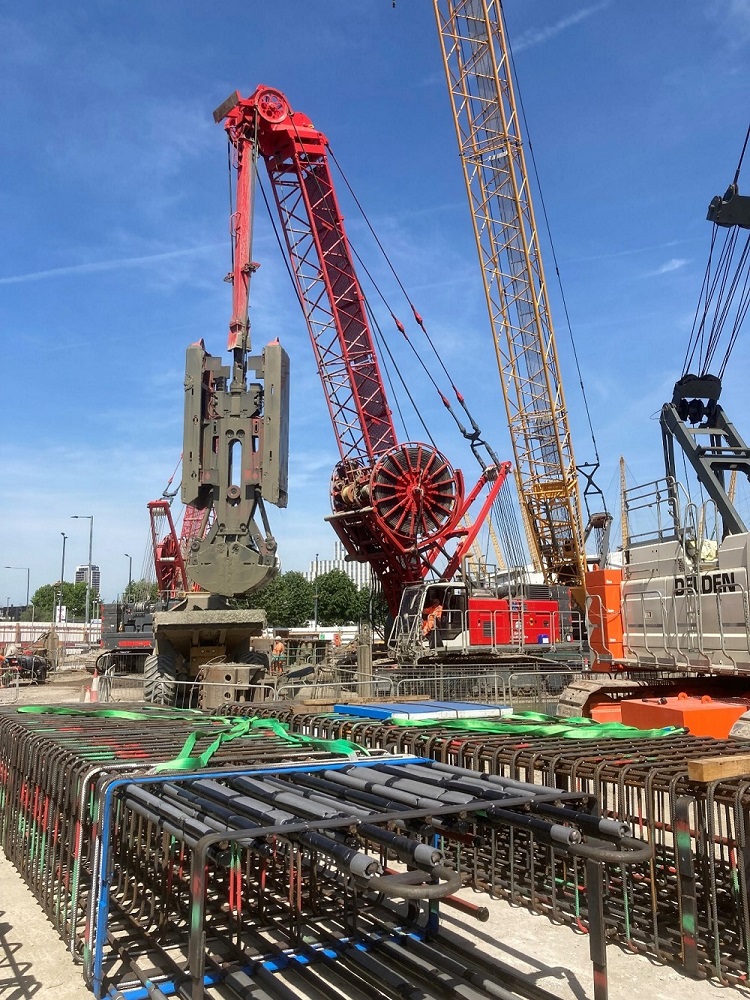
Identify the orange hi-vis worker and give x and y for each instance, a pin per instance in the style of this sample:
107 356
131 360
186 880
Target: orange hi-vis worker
430 616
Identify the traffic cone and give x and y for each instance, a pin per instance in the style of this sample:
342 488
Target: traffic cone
94 694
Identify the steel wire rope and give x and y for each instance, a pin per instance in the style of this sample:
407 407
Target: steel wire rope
375 327
715 289
475 435
503 511
742 304
590 483
504 514
377 332
722 298
742 156
705 293
726 298
380 338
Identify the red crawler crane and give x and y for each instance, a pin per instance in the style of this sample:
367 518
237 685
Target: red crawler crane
169 549
395 506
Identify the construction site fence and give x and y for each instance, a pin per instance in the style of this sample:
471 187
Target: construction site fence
181 854
69 634
524 690
10 686
688 905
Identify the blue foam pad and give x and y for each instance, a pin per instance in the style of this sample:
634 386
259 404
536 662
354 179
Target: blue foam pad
413 710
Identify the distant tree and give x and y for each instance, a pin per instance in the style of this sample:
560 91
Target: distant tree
141 590
337 599
372 608
287 601
47 597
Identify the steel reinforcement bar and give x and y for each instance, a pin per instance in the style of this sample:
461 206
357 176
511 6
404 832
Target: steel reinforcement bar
178 853
688 904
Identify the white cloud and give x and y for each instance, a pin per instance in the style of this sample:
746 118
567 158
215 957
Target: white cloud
537 36
625 253
733 19
675 264
107 265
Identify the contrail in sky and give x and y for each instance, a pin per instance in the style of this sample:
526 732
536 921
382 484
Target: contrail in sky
626 253
106 265
535 36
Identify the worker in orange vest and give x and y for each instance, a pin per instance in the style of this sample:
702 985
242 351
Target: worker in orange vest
278 653
430 617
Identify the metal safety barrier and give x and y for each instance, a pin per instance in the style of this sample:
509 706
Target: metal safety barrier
112 687
10 686
451 684
532 689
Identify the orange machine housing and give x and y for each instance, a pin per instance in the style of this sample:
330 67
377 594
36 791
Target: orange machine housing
605 617
703 716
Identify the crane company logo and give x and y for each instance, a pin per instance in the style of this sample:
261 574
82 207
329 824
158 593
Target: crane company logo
707 583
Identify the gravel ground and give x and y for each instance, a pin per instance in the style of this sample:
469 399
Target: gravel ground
63 686
35 963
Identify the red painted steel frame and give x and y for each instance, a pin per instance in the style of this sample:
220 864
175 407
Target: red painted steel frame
394 506
295 156
171 576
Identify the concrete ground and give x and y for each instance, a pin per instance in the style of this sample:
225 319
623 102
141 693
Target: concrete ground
34 961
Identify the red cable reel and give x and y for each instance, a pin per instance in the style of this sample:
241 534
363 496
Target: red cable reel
413 491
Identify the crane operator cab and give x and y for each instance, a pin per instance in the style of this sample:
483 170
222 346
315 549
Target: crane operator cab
431 616
437 618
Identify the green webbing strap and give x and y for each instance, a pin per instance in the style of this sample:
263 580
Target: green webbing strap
535 724
185 761
150 713
233 728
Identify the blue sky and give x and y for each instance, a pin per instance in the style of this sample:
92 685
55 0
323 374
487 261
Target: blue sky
113 213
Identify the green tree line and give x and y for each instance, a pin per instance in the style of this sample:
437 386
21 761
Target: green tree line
291 601
47 597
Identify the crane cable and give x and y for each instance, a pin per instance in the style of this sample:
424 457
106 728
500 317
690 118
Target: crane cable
504 516
502 508
726 293
474 436
375 327
503 511
376 330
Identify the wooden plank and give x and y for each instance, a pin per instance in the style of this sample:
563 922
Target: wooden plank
712 768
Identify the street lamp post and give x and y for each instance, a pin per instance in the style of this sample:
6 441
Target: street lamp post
315 609
130 572
28 578
58 616
90 519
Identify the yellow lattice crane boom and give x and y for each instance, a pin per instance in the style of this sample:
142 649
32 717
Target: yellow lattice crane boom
478 71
